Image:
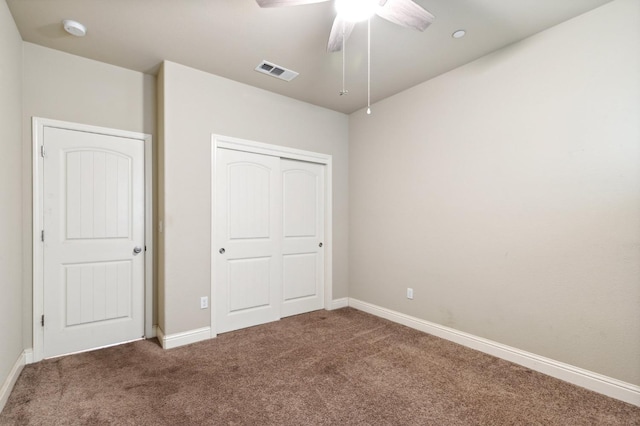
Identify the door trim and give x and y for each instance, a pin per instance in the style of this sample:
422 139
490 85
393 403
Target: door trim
37 126
220 141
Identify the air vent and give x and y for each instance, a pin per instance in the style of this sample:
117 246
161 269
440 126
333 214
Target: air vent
276 71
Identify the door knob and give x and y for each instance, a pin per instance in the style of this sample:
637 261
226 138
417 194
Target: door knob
221 251
320 245
137 249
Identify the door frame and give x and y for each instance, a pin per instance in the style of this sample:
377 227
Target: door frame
37 127
228 142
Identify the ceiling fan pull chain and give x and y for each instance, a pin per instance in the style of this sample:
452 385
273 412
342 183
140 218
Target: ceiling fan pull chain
369 66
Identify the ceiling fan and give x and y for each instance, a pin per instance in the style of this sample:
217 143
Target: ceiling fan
402 12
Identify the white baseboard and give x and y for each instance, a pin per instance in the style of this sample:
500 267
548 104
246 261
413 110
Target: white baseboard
185 338
10 381
339 303
605 385
28 356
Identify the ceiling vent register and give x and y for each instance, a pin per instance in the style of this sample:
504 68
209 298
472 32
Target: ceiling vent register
276 71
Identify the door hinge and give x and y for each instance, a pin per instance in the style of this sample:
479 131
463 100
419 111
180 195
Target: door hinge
42 320
42 235
42 150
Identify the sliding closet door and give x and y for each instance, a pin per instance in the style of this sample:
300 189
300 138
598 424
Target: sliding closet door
303 231
268 231
248 230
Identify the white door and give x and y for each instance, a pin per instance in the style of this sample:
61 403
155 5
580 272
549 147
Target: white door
248 269
268 224
303 232
93 240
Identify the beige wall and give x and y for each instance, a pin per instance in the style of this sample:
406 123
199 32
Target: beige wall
507 194
10 194
65 87
197 104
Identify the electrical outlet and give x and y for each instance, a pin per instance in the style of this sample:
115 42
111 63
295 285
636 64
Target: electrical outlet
204 302
409 293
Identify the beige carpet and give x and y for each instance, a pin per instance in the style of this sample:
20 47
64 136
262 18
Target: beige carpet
341 367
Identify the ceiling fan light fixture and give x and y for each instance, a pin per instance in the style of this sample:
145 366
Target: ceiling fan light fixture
356 10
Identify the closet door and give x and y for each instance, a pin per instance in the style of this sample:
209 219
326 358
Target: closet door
302 235
268 230
248 234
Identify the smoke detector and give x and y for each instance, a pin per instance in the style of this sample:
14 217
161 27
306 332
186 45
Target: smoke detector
276 71
74 28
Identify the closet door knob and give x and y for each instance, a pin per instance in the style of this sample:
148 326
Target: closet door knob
221 251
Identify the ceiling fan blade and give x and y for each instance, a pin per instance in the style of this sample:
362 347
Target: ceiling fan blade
405 13
280 3
340 29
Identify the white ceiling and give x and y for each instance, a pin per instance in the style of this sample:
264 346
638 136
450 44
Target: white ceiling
230 37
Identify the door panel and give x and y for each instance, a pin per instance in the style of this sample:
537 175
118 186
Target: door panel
97 292
300 200
248 273
303 224
97 195
93 218
251 283
299 274
249 198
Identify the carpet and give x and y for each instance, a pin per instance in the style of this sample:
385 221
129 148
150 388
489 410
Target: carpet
342 367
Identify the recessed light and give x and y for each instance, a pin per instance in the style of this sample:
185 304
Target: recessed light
458 34
74 28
